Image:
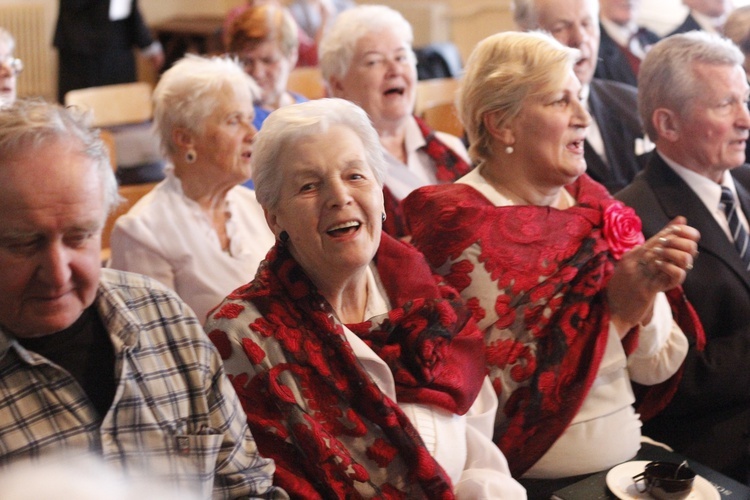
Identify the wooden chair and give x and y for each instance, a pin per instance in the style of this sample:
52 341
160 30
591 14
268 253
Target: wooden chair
443 117
113 105
430 93
308 81
130 194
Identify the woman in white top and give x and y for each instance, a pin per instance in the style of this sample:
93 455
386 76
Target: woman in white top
367 58
568 295
361 376
198 232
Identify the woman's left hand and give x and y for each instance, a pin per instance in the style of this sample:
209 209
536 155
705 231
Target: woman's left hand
658 265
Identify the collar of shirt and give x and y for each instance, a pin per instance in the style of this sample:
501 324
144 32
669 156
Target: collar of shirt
619 33
709 193
594 136
710 24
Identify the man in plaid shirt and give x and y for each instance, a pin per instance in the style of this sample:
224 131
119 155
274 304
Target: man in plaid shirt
96 360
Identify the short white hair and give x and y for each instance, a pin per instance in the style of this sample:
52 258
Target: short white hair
291 123
189 91
336 49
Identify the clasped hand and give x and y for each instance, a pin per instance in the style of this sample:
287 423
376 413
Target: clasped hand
658 265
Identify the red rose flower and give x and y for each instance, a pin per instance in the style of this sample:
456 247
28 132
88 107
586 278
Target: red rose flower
622 228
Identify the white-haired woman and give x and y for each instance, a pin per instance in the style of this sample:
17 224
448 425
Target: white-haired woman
198 232
358 380
367 58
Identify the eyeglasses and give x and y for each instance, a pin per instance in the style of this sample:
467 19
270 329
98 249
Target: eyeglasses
14 64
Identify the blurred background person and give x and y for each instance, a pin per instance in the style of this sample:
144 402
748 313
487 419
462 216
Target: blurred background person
623 44
567 294
367 58
317 16
694 103
615 143
706 15
95 41
307 48
360 381
264 40
10 67
737 29
198 231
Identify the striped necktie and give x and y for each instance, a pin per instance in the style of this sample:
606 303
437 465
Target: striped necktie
735 226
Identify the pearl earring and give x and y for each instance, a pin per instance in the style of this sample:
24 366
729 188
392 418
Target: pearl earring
509 150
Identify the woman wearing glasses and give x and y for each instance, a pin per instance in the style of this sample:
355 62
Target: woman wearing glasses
10 66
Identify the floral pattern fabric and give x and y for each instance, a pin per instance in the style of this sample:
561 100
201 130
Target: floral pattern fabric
449 166
549 327
310 404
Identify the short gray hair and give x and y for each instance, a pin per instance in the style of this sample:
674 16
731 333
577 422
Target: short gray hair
7 38
502 71
29 124
291 123
189 91
666 78
526 16
336 49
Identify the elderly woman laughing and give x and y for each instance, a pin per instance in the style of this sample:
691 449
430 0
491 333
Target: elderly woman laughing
358 381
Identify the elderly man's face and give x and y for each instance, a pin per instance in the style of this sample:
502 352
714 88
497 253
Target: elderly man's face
573 23
51 217
7 75
711 133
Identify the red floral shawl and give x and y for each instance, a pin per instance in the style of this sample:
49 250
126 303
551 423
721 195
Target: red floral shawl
449 166
310 404
551 268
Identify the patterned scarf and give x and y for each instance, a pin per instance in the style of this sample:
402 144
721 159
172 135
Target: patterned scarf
551 268
449 166
314 409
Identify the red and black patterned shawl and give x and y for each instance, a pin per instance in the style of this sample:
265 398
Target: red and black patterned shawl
328 443
551 268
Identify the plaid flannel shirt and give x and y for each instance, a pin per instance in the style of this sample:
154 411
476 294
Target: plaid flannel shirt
174 415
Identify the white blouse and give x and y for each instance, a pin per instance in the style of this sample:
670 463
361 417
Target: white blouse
462 445
167 236
606 430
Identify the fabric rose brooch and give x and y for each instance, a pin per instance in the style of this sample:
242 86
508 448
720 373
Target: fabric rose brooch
622 228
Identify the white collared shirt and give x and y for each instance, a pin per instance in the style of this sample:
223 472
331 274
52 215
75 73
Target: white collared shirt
624 36
419 170
710 24
709 193
119 9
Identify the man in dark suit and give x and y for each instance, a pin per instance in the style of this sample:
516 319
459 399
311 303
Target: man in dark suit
623 44
95 40
692 100
616 140
706 15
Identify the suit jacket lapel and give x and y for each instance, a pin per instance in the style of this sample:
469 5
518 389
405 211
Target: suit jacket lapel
676 198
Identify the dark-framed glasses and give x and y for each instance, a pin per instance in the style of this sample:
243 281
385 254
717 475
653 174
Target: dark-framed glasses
14 64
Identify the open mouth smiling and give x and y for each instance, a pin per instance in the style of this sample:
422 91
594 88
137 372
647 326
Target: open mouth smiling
344 228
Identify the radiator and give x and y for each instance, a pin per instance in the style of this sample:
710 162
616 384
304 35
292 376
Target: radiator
26 22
